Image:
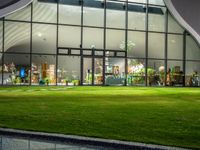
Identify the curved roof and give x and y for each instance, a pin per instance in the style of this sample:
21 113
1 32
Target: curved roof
9 6
7 3
186 13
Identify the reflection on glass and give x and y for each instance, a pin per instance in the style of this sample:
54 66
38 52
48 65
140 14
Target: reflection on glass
156 2
16 69
93 16
115 71
17 37
98 71
156 73
173 26
156 45
192 49
136 20
44 38
115 39
69 14
157 20
138 1
43 70
44 12
93 38
192 78
175 46
136 72
23 14
87 71
136 44
115 18
69 36
68 71
174 73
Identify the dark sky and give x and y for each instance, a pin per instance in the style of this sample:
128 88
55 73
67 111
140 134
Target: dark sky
4 3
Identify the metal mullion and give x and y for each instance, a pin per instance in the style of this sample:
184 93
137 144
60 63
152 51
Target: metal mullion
31 44
166 47
104 44
57 33
81 44
146 53
93 60
126 42
184 58
3 50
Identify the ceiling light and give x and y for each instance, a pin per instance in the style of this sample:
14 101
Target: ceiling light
39 34
173 41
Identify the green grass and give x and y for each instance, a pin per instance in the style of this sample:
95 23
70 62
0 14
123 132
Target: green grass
166 116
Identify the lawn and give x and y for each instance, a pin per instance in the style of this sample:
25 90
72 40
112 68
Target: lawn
166 116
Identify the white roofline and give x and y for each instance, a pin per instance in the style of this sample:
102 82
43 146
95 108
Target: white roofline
180 19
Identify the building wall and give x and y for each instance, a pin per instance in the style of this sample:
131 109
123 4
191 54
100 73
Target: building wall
94 42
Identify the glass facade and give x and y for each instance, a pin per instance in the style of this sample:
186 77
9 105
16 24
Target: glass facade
97 42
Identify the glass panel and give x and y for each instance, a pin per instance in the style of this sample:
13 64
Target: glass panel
44 12
136 44
16 69
23 14
136 72
93 16
157 19
192 49
115 14
69 70
138 1
75 52
115 71
85 52
156 73
93 38
156 2
173 25
115 39
156 45
136 19
43 70
1 36
175 46
44 38
69 14
69 36
192 74
174 73
99 53
17 37
87 71
98 71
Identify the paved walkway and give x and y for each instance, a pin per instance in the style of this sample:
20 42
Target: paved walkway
61 138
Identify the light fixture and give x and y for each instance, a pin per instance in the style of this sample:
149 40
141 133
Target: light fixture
39 34
173 41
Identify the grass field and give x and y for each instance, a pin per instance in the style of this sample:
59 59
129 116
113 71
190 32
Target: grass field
166 116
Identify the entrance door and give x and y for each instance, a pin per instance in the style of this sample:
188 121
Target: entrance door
92 71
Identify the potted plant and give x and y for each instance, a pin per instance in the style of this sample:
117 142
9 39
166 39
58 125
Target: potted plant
76 82
66 82
47 81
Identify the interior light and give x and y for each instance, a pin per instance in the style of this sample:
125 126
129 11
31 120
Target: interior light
173 41
39 34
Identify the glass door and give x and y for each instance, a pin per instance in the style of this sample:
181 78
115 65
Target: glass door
87 71
92 71
98 71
